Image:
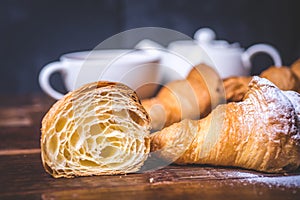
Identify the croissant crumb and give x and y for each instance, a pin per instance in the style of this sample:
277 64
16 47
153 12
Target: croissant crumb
101 128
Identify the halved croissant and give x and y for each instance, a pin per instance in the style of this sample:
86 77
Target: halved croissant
101 128
262 133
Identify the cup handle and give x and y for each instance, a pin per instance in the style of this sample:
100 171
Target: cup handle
44 78
261 48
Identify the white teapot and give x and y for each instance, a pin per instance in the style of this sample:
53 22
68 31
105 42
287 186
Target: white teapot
228 59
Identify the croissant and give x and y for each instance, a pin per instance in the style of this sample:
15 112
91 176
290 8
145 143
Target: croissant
285 78
236 88
295 67
259 133
98 129
188 98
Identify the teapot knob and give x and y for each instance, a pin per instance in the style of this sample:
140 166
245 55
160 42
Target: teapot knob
204 35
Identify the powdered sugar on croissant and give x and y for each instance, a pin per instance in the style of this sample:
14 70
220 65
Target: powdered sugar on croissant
101 128
294 97
272 106
260 133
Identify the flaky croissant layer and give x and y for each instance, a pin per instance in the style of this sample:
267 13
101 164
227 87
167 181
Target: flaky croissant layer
101 128
260 133
191 98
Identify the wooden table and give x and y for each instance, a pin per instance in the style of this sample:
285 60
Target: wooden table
23 177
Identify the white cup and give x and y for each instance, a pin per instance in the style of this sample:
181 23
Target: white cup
136 68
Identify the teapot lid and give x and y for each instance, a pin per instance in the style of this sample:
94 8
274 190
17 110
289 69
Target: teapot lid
207 38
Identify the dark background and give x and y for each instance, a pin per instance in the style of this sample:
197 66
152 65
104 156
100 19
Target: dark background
36 32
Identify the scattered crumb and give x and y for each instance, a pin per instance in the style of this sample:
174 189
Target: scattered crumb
151 180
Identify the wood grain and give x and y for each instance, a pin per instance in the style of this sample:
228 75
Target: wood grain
23 176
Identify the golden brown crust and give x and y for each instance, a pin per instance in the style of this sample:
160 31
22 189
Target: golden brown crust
167 106
207 87
236 88
190 98
100 128
295 67
260 133
283 77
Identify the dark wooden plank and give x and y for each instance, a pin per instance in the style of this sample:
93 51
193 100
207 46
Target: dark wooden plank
231 189
25 177
200 190
23 111
26 173
23 100
26 108
19 138
20 120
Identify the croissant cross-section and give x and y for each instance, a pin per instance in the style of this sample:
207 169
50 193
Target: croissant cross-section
101 128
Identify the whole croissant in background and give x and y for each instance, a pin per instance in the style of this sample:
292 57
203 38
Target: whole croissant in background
100 128
285 78
191 98
259 133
